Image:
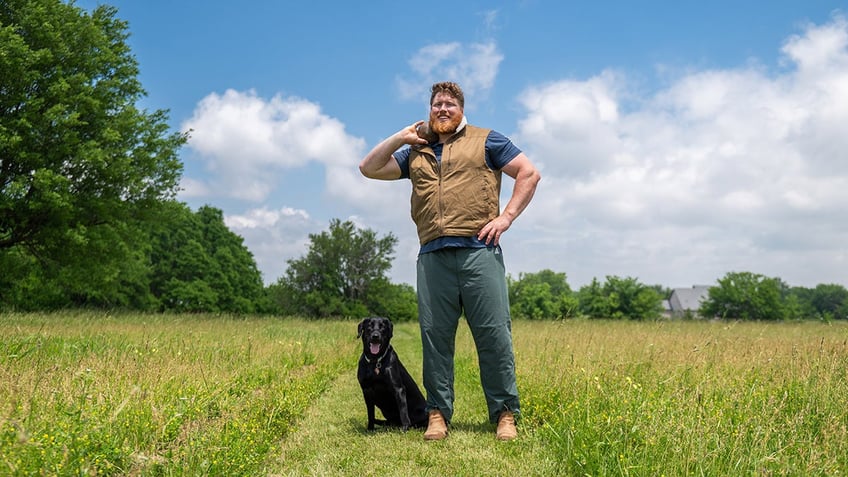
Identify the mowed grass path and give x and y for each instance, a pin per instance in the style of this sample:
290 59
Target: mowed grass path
332 439
89 394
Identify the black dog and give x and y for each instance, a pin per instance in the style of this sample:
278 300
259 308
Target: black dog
385 382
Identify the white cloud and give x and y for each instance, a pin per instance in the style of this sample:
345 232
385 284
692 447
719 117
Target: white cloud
474 66
274 236
191 188
723 170
245 142
573 116
490 19
264 217
821 49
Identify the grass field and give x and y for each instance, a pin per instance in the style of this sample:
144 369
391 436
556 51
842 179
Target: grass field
98 394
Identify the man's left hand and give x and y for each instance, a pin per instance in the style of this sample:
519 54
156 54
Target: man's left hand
491 232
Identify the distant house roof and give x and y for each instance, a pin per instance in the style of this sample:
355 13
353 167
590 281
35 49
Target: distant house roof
688 299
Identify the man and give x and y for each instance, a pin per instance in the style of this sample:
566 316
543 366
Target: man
456 182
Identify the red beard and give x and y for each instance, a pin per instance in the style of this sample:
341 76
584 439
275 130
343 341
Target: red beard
445 128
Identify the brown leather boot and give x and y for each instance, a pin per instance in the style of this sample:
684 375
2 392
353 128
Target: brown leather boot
437 428
506 427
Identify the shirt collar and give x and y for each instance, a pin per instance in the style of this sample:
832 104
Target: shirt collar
462 124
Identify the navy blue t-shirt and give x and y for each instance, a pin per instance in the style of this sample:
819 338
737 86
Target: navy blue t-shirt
499 152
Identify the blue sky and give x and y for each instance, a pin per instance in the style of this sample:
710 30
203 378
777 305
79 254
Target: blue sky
678 141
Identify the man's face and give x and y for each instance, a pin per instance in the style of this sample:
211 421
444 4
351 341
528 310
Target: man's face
445 114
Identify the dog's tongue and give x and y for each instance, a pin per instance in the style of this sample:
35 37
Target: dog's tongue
375 348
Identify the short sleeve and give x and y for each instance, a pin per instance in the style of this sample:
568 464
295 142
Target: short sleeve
402 158
499 150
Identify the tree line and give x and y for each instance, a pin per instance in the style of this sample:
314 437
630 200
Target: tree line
88 216
737 296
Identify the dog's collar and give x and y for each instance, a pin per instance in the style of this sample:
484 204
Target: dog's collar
378 360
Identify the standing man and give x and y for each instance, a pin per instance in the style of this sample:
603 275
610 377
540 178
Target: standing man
456 179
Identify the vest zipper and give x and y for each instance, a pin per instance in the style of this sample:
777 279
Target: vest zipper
445 149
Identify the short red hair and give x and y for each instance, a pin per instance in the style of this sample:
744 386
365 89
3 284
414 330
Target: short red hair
450 88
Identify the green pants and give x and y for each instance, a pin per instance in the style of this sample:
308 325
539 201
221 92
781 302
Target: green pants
472 280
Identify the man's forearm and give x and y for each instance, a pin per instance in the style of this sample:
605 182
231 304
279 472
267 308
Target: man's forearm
375 161
378 163
522 194
526 177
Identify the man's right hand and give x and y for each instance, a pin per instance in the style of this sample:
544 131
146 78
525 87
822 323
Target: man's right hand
410 134
378 164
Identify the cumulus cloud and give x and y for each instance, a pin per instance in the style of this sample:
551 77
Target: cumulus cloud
474 66
191 188
245 142
274 236
723 170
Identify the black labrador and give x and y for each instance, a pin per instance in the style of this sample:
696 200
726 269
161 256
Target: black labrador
385 382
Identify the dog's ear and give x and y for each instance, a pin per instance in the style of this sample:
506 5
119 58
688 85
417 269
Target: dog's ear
360 327
391 328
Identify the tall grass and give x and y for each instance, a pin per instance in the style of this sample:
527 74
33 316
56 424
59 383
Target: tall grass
88 394
685 398
156 395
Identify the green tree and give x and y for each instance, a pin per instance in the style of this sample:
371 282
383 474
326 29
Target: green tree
109 269
620 298
662 291
198 264
179 263
340 275
831 300
747 296
235 275
593 301
81 167
630 299
542 295
804 298
825 301
396 301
